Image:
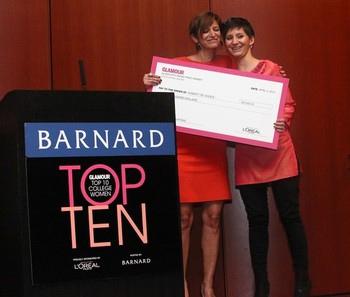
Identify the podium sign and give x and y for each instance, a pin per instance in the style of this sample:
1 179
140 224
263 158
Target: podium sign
98 184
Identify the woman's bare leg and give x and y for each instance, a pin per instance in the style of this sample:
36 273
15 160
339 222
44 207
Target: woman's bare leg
211 223
186 210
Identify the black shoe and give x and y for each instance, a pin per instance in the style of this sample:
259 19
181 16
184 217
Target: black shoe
262 289
302 289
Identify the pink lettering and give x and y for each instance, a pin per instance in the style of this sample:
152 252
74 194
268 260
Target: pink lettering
72 211
70 169
142 235
93 226
125 185
116 180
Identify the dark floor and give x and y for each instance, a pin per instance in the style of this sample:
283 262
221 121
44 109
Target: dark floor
338 295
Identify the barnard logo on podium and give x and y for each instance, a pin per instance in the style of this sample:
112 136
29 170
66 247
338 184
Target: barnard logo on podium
98 197
98 139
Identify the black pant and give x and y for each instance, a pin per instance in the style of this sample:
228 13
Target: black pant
286 196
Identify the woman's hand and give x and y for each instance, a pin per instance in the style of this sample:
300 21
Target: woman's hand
282 71
280 126
150 79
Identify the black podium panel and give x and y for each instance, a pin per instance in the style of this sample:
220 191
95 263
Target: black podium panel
89 195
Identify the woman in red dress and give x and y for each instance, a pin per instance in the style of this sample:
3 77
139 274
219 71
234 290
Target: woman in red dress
256 169
202 163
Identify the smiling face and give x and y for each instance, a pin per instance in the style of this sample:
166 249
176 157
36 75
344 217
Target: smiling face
238 43
210 37
204 30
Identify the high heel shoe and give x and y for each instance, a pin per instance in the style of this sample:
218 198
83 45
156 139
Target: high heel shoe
186 289
302 284
262 288
302 289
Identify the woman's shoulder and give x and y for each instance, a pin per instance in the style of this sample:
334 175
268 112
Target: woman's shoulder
183 58
268 67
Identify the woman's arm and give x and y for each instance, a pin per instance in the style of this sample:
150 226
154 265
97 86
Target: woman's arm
284 122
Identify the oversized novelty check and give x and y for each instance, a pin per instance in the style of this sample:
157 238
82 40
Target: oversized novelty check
223 103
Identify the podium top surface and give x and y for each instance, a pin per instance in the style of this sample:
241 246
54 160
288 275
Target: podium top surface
30 105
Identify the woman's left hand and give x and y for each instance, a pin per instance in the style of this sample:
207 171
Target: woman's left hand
282 71
150 79
280 126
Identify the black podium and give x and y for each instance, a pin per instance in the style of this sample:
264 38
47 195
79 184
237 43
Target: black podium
89 195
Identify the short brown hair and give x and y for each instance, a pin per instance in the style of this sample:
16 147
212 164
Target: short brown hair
237 22
202 22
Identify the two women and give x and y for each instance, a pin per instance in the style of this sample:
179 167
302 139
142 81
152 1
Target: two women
202 161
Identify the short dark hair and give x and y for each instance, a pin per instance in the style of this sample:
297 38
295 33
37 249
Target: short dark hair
237 22
202 22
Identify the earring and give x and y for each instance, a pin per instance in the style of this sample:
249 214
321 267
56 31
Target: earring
198 46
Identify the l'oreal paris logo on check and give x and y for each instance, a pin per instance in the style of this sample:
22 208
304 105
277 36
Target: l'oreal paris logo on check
43 140
251 130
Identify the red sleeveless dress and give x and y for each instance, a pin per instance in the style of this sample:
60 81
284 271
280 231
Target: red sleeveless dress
202 162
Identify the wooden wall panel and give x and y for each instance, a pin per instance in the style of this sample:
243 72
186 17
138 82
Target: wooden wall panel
324 142
24 38
310 39
116 39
